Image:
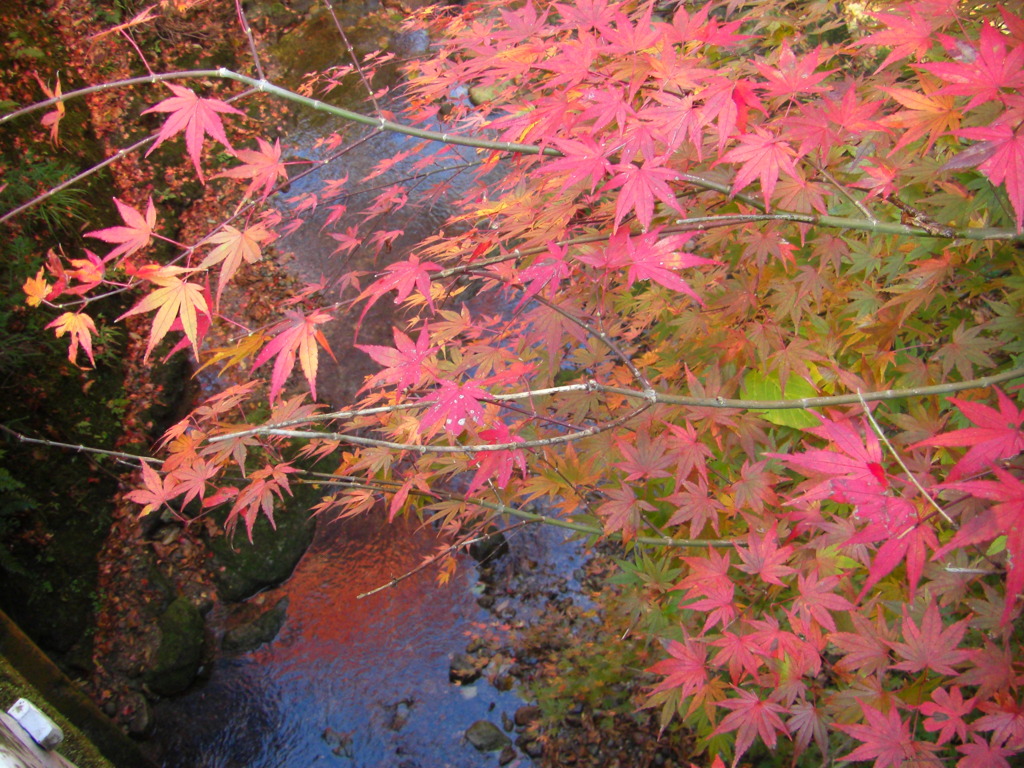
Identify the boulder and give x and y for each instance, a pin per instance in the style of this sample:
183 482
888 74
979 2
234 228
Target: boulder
242 568
177 658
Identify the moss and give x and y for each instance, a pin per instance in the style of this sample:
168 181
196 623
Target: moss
182 635
246 568
76 747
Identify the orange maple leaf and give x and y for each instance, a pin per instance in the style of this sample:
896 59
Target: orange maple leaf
196 117
136 235
175 298
233 247
80 327
36 289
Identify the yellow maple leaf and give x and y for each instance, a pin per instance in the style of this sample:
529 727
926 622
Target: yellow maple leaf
80 327
36 288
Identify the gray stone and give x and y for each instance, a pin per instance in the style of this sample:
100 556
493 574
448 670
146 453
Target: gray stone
177 658
487 737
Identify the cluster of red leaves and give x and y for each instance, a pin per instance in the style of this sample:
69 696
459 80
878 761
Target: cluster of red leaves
694 213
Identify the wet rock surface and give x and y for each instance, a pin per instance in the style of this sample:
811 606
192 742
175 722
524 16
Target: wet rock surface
243 568
177 658
256 631
487 737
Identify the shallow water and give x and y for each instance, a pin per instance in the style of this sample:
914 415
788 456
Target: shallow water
345 664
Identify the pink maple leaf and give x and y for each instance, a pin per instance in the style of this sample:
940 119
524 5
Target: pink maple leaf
403 363
996 435
196 117
137 232
761 156
452 406
885 738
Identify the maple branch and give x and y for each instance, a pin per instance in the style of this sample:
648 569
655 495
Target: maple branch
899 460
76 178
264 86
530 517
352 55
77 448
605 339
804 403
423 449
243 20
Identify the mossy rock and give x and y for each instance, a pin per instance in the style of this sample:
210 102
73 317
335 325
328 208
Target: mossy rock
182 635
242 568
486 736
262 629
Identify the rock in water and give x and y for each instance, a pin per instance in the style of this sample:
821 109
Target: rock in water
487 737
182 633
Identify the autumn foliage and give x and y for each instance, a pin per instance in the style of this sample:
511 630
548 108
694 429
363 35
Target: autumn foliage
738 284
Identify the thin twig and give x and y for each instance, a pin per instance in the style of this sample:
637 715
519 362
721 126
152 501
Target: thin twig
899 460
244 21
435 558
78 448
352 55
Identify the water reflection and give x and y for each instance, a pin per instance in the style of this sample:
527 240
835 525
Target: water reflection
343 667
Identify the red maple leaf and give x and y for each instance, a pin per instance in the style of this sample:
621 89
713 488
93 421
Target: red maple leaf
687 669
793 75
817 599
640 184
764 557
1003 160
264 486
764 156
997 435
135 235
403 363
452 406
983 754
752 716
196 117
931 646
623 511
985 74
1005 517
851 466
497 466
297 334
402 277
655 258
743 653
885 738
158 490
1005 718
866 649
945 713
907 35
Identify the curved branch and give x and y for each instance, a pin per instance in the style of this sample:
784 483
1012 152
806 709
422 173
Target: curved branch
838 222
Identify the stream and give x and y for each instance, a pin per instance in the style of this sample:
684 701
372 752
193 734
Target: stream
363 682
374 671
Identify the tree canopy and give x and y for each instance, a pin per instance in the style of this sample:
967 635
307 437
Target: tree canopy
738 284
